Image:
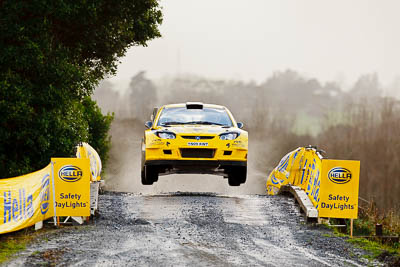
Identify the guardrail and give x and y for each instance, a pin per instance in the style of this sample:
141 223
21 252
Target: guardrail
323 187
298 173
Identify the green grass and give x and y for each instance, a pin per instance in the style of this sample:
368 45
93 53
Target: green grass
11 245
14 242
363 227
374 249
328 235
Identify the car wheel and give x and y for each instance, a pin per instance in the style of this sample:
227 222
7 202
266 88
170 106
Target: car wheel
144 180
232 181
242 171
149 175
237 176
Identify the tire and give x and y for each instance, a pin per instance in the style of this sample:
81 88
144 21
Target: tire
143 176
149 175
237 176
233 182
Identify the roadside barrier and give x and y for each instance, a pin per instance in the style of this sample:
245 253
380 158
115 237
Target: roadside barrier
84 150
25 200
324 188
62 188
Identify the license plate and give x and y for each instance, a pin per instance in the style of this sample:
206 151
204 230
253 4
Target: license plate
197 144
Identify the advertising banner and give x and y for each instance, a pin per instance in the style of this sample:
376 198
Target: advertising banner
310 175
286 172
339 189
84 150
25 200
301 167
72 186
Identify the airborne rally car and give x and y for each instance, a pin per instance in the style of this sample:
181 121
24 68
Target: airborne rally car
194 138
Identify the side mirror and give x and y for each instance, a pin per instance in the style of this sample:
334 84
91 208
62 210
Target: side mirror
148 124
240 125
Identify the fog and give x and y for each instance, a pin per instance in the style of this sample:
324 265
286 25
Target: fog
249 40
295 72
286 111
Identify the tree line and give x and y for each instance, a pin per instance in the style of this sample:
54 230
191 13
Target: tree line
285 112
52 56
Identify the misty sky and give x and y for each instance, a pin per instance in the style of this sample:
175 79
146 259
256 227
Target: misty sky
249 40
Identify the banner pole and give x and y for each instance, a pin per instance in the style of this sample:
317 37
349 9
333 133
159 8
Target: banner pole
351 228
54 194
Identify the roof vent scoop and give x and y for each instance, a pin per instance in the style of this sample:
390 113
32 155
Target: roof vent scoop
194 105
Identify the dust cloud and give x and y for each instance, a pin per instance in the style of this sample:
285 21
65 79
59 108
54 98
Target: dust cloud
133 107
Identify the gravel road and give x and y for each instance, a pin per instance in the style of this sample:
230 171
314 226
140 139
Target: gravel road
198 229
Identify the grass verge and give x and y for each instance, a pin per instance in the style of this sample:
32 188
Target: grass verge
14 242
388 253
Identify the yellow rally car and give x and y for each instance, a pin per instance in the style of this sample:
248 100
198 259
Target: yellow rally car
194 138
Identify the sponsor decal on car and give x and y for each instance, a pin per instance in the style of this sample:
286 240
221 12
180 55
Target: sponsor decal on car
238 144
157 142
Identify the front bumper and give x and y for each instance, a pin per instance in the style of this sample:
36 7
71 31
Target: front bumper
205 163
179 149
218 167
185 154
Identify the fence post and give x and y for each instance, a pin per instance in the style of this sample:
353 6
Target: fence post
351 228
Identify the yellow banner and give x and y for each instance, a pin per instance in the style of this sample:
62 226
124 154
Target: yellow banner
84 150
25 200
301 167
311 175
286 171
72 186
339 189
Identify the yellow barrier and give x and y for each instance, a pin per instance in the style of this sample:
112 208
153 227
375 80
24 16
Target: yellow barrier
25 200
300 167
84 150
60 189
338 180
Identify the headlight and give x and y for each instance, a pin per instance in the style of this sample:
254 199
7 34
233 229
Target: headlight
228 136
166 135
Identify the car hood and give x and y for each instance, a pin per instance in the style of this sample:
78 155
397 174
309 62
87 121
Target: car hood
197 129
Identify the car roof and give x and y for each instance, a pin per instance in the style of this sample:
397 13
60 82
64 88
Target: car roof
181 105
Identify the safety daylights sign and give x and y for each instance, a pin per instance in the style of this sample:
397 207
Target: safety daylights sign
339 189
72 186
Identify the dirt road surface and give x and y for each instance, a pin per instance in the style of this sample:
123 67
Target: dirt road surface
192 229
148 226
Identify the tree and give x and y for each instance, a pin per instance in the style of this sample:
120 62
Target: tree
52 55
367 87
141 97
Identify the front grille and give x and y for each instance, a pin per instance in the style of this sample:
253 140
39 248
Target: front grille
197 153
195 137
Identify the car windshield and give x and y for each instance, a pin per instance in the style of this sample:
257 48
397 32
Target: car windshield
182 115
